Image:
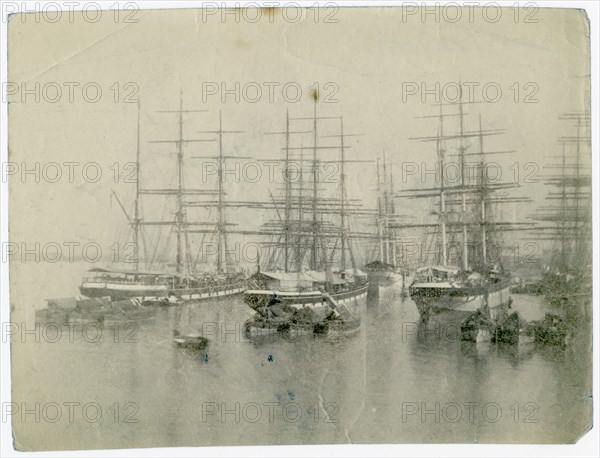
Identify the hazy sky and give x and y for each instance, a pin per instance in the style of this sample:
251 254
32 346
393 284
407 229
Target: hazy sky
366 63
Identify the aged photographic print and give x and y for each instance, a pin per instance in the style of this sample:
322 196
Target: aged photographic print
297 225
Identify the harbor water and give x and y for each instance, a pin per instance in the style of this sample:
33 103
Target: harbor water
396 381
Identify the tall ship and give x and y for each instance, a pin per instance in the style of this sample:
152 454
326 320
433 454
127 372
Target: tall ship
565 221
387 266
157 270
467 275
309 283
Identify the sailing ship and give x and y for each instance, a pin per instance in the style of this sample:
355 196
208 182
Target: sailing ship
309 286
185 279
387 267
474 281
566 221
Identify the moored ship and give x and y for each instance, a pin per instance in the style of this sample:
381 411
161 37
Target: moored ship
474 281
305 302
152 286
387 267
189 277
438 289
311 283
566 221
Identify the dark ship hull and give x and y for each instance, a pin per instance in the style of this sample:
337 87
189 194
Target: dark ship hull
296 313
456 302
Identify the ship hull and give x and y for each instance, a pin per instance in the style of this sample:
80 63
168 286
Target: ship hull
353 299
321 325
148 293
455 304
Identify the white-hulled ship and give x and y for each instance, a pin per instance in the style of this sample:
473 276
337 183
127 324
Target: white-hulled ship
184 279
154 286
307 286
474 282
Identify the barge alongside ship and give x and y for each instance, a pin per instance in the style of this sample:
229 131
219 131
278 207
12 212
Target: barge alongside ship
476 282
311 283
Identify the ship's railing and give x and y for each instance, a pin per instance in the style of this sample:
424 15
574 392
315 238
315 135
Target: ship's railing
122 281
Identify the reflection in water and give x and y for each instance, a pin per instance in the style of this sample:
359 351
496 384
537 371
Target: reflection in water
397 381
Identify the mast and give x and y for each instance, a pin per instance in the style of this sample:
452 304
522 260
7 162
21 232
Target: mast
221 226
315 187
288 191
456 197
567 223
297 227
462 149
179 191
343 195
385 215
220 197
179 216
393 213
483 196
136 216
441 160
300 252
577 171
563 213
380 215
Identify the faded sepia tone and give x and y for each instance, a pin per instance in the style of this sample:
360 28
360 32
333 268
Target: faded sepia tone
166 133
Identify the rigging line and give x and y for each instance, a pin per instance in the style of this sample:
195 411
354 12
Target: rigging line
146 239
158 238
278 255
213 237
162 254
201 248
144 236
229 263
138 253
187 255
351 252
333 251
272 255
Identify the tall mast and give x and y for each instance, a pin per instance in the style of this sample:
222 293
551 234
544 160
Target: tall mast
563 213
288 191
441 160
483 196
456 196
220 197
392 212
300 244
179 191
462 149
343 194
315 187
179 216
577 171
385 215
136 216
380 214
221 224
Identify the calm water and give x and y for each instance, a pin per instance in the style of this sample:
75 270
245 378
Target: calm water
395 382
